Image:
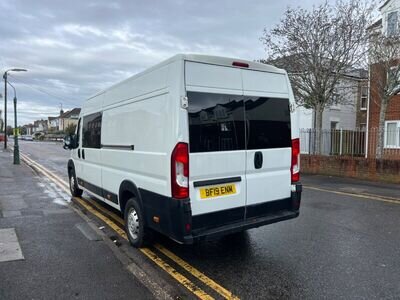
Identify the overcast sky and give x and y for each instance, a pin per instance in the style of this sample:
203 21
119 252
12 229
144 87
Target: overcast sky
74 48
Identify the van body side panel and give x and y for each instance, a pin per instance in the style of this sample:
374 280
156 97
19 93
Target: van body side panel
142 128
137 86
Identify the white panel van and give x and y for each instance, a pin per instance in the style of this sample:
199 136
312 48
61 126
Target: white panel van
195 147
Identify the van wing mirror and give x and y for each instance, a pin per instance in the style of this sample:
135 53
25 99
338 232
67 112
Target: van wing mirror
70 142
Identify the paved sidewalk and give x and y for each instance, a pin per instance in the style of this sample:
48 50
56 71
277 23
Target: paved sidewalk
47 251
352 185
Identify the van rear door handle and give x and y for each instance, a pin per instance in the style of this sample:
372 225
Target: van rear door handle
258 160
83 153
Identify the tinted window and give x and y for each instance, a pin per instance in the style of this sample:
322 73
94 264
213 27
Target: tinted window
216 122
268 124
91 131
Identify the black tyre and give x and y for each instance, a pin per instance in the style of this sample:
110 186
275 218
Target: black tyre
73 185
135 228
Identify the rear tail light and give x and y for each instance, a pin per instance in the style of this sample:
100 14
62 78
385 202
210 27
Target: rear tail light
180 171
295 168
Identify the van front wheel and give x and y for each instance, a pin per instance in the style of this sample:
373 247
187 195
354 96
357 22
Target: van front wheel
138 234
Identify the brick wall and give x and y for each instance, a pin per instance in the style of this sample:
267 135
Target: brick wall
355 167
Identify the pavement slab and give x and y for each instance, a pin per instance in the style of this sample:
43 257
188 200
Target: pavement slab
9 245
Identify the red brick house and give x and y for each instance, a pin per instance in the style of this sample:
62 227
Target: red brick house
388 24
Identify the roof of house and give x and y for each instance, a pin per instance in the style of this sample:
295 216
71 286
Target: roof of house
73 112
376 24
39 121
384 4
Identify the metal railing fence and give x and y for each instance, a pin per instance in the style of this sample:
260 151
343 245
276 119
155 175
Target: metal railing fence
357 143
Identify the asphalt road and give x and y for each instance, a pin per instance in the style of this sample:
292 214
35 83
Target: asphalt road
341 246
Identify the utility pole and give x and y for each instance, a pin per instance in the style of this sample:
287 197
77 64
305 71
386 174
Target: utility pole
16 131
5 101
5 109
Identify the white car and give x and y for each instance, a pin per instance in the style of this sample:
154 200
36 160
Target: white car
194 148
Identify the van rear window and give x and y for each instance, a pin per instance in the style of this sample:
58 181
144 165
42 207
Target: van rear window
219 122
216 122
268 123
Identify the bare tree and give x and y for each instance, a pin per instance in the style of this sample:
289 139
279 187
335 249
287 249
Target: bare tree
384 55
317 47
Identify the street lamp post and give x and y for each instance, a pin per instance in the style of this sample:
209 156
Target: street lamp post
16 146
5 101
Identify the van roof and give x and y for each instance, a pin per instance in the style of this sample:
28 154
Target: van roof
225 61
208 59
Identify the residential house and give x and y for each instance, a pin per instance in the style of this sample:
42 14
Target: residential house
388 24
53 123
352 91
40 126
29 129
349 114
69 118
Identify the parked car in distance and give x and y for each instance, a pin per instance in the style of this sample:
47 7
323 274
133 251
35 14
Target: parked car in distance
195 147
27 138
2 137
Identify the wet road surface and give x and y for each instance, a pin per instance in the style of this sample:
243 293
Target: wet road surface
341 246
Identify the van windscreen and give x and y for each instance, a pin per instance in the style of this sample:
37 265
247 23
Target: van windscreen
220 122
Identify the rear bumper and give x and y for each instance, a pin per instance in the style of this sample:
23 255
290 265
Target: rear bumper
214 233
255 216
175 216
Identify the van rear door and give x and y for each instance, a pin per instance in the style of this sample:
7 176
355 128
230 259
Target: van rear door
268 139
216 144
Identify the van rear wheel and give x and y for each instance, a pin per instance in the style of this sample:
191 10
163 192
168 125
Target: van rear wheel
73 185
138 234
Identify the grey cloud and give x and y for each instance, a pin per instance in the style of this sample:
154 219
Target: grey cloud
75 48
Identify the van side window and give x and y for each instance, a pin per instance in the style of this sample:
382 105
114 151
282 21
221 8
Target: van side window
91 131
78 132
216 122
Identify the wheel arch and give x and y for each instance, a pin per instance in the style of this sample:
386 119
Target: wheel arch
127 190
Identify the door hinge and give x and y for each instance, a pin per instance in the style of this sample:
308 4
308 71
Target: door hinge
184 102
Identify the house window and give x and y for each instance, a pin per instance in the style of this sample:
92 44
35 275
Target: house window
335 102
392 134
392 23
363 126
364 98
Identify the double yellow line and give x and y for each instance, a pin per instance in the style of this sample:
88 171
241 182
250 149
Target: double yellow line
111 219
